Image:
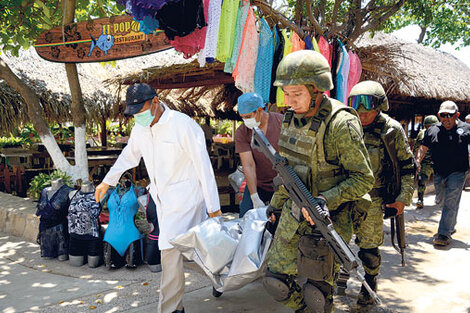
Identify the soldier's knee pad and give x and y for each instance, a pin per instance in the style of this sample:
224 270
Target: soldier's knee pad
370 257
277 285
314 298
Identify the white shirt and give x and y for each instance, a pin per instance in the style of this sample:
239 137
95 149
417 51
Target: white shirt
182 181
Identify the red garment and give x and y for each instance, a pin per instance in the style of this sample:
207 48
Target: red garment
326 51
194 42
104 218
355 71
264 168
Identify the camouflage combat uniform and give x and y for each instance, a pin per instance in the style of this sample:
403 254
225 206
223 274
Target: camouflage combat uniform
369 232
332 161
368 226
426 167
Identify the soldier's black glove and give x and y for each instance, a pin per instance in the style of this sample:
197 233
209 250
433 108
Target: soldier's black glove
271 226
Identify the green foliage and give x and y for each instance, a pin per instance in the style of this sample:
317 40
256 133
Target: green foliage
224 127
29 135
22 21
42 181
444 21
9 142
63 134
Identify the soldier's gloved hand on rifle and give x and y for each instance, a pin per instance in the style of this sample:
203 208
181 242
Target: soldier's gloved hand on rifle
322 202
257 202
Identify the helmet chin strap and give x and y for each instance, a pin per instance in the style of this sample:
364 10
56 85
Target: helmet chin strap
313 98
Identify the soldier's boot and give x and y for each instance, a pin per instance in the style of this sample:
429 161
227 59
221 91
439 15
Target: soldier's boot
421 189
364 297
371 261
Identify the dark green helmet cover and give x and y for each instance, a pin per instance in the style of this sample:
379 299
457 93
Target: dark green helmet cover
304 67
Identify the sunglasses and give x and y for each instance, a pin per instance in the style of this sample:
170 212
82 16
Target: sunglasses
368 101
446 115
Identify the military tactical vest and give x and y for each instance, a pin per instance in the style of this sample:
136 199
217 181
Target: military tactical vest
304 148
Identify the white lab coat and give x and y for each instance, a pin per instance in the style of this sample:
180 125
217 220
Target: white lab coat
182 181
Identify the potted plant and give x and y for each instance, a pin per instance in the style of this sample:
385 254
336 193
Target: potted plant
41 181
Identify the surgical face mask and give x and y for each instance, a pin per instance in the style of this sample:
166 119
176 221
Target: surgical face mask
144 118
251 122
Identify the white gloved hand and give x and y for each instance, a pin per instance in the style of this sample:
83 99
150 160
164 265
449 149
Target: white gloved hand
257 202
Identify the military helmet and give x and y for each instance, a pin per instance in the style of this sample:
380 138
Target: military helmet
430 120
304 67
372 88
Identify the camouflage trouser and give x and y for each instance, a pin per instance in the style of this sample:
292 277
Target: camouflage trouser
423 176
282 256
369 228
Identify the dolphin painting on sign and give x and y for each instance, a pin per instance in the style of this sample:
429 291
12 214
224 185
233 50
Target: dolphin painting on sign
104 43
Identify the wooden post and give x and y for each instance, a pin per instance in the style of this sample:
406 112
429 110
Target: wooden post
6 174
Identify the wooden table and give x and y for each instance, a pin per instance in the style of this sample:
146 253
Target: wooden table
95 161
20 158
103 151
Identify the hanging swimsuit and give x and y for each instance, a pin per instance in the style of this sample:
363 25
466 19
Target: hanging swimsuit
84 227
52 235
121 231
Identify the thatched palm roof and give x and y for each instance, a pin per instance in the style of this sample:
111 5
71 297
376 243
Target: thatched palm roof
188 88
49 80
415 74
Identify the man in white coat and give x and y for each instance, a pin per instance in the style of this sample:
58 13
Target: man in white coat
182 181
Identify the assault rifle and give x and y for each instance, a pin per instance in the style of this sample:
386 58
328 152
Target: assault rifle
303 199
392 190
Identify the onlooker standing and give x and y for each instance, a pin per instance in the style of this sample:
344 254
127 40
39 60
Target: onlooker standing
182 181
208 131
448 142
467 119
257 168
426 164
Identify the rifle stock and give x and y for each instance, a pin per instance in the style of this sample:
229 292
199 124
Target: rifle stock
304 199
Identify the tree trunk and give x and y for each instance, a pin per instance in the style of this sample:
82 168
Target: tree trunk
80 170
35 113
104 137
422 34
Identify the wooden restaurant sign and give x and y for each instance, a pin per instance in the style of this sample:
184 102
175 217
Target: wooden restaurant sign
99 40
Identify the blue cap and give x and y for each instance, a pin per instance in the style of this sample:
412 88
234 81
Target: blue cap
136 97
249 102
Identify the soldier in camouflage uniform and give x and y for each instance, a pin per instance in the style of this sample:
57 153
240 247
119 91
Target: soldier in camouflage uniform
369 99
426 165
322 140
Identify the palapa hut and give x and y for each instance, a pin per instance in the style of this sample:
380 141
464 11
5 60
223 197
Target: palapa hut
417 78
49 80
195 91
